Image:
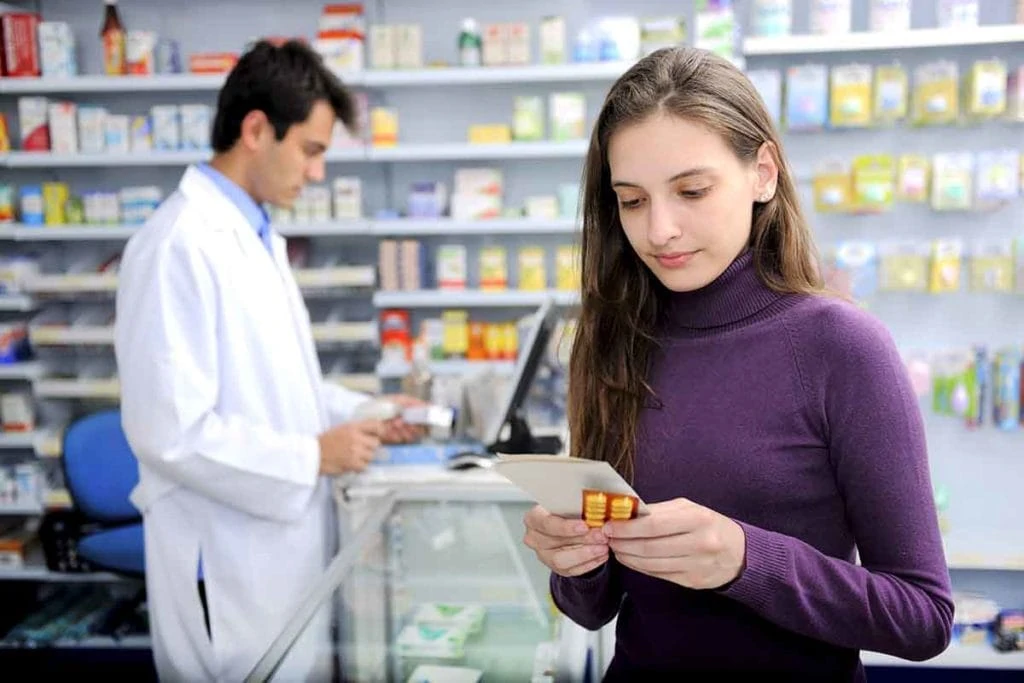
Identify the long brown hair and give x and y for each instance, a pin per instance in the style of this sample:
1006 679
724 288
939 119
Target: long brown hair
615 336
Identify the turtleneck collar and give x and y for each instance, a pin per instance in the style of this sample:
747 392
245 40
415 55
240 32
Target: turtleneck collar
737 296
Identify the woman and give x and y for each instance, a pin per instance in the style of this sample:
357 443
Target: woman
770 427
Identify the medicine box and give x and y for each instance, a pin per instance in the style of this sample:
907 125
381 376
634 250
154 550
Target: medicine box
92 129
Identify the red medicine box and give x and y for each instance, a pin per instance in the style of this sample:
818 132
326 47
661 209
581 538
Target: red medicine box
19 34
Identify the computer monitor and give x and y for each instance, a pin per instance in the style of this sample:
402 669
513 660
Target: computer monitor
511 413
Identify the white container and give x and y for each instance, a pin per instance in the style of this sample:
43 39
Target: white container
57 49
166 127
889 15
348 202
17 412
958 13
117 131
772 17
92 129
830 17
196 120
63 127
26 478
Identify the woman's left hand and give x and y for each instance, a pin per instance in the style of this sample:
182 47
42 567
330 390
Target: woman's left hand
682 542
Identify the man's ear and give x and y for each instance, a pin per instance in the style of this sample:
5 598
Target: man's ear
254 130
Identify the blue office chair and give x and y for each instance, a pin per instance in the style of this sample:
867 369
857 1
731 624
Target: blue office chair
100 472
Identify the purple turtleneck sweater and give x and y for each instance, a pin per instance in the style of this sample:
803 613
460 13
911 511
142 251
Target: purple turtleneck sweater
794 416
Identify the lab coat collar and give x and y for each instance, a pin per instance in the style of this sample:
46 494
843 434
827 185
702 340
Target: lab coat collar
223 213
253 212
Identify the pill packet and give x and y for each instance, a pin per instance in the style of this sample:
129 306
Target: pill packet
599 507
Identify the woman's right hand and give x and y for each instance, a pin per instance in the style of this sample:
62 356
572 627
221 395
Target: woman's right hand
567 546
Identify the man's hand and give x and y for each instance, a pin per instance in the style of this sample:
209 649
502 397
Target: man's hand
349 447
682 542
397 431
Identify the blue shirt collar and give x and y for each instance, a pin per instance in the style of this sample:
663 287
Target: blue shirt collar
252 211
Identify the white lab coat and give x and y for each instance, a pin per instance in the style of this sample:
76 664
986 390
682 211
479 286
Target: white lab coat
222 398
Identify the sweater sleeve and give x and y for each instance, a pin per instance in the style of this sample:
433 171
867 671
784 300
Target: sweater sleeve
591 600
898 600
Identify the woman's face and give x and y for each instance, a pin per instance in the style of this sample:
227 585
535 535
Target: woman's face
685 200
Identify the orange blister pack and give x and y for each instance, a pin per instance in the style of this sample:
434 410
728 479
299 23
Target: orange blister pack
600 507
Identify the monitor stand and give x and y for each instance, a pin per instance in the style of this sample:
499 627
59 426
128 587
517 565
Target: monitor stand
521 440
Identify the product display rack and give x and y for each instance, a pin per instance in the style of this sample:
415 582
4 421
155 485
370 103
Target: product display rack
386 173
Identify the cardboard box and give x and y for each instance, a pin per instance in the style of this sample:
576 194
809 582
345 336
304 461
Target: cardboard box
19 40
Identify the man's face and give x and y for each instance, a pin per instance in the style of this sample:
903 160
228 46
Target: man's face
285 166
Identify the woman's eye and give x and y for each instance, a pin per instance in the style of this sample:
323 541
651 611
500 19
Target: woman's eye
629 203
694 194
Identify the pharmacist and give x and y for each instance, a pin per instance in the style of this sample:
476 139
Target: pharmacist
222 396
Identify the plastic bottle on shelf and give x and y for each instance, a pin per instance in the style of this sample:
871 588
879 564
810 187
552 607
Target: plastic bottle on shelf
470 44
113 36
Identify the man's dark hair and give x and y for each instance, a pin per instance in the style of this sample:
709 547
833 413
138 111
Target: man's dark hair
284 82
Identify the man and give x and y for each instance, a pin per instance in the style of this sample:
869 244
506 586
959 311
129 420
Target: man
222 396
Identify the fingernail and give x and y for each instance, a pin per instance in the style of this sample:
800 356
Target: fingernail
607 530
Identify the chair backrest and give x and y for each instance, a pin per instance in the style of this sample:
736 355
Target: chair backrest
100 469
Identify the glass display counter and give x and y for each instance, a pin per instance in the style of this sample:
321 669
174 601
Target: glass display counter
432 583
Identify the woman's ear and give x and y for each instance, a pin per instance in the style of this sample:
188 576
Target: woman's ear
767 172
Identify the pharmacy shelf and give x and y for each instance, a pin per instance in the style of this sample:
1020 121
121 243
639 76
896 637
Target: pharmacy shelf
525 226
306 278
72 233
110 389
16 302
439 298
20 371
42 574
346 154
452 151
408 152
364 382
393 370
340 228
103 335
999 563
534 73
71 335
883 40
106 389
154 158
328 333
17 440
7 230
20 509
980 656
336 276
92 643
104 84
72 282
433 76
45 442
34 569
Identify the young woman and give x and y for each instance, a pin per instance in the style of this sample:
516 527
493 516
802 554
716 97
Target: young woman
770 427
